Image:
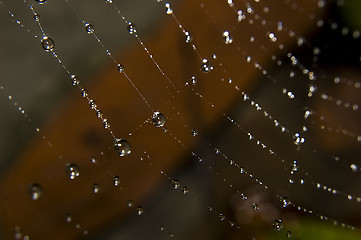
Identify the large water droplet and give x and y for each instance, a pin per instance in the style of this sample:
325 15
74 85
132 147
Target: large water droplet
131 28
47 43
89 28
35 191
277 225
40 1
72 170
122 147
158 119
206 66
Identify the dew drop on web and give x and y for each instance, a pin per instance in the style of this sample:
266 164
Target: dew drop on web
35 191
72 170
47 44
158 119
122 147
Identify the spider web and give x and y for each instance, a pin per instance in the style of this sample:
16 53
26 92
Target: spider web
235 120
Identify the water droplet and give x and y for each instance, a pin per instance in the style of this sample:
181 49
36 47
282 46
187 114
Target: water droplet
89 28
354 167
162 228
17 233
122 147
92 104
194 132
131 28
47 43
168 9
289 234
284 202
193 80
277 225
93 160
255 206
40 1
140 211
99 114
188 37
130 203
68 218
95 188
84 93
227 39
116 181
36 17
106 123
206 66
121 68
74 80
72 170
35 191
175 184
158 119
185 190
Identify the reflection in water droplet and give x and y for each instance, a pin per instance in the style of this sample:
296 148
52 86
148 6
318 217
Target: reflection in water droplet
206 66
35 191
289 234
109 1
131 28
158 119
277 225
185 190
72 170
116 181
89 28
95 188
122 147
47 43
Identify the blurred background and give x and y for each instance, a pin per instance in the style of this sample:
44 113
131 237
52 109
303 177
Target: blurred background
327 43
